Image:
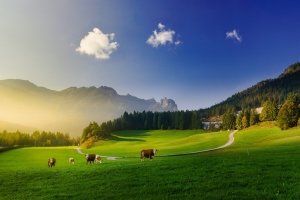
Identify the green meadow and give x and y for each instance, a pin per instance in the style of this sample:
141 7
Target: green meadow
130 143
262 163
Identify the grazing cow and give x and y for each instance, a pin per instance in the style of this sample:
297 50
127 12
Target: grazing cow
51 162
90 157
71 160
149 153
98 159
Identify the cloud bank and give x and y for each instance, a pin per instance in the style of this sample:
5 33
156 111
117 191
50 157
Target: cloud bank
233 34
162 37
98 44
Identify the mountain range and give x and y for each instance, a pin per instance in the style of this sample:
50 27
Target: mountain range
71 110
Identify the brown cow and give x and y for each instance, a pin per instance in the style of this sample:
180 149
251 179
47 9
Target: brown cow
149 153
51 162
71 160
98 159
90 157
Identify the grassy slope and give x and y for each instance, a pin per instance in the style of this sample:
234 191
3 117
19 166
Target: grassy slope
130 143
269 171
266 136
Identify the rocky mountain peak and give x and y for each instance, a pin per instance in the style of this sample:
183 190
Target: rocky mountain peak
107 90
168 104
290 70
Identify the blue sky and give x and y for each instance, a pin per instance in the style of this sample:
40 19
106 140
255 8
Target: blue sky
197 53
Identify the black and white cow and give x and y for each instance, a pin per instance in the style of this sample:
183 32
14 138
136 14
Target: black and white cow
90 158
51 162
149 153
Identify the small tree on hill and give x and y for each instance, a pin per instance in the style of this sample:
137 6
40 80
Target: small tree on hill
288 115
269 111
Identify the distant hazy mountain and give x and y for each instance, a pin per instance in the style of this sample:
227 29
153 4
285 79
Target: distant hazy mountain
69 110
12 127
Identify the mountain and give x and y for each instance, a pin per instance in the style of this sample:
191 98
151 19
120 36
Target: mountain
266 90
69 110
11 127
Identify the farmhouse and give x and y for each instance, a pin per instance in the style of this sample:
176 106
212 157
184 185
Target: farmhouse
215 124
258 111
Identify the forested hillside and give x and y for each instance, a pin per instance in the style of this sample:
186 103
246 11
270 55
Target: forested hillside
274 90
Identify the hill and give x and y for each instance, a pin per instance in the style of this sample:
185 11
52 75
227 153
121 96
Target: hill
69 110
266 90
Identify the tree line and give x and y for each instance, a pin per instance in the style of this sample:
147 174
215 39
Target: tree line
18 139
149 120
287 115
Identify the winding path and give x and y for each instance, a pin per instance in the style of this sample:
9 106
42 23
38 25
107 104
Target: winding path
107 157
230 141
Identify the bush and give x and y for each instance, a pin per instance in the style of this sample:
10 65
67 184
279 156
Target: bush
88 143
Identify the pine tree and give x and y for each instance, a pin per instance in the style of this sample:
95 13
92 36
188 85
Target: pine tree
245 123
253 117
239 121
228 121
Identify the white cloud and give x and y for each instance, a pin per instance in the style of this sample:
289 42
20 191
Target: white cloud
98 44
162 37
178 42
160 26
233 34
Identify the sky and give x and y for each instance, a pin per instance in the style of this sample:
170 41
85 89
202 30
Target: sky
197 53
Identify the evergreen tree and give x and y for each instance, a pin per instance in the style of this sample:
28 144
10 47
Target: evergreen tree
247 113
181 120
228 121
245 123
177 119
154 124
253 117
159 121
239 121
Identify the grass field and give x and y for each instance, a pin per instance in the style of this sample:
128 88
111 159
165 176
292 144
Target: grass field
262 163
130 143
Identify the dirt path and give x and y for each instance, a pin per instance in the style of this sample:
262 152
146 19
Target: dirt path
230 141
107 157
79 151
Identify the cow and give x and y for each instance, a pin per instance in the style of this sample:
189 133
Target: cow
71 160
98 159
51 162
149 153
90 158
